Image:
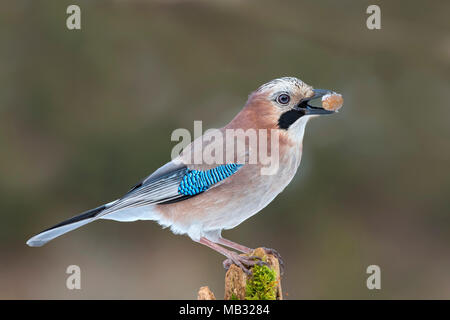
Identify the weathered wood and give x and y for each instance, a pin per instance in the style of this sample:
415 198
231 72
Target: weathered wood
236 280
204 293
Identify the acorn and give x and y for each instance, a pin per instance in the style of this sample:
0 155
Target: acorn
332 101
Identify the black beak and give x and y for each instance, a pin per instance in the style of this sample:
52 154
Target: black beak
308 109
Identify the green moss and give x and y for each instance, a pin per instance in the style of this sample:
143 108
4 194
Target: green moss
262 285
234 297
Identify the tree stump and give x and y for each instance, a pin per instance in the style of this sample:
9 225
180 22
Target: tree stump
205 294
263 284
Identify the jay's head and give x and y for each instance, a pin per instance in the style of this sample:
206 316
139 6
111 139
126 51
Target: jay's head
286 103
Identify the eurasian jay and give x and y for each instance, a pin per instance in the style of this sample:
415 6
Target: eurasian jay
201 197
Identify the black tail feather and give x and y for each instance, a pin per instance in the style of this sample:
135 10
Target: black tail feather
64 227
82 216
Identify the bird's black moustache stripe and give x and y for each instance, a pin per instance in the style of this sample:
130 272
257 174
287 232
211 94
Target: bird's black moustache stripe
288 118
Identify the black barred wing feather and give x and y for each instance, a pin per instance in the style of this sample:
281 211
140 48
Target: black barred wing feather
172 184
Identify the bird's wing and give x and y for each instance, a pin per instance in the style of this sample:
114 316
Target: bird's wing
176 180
160 186
171 183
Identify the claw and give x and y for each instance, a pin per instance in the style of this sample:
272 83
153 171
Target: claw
255 258
243 262
277 255
262 263
247 262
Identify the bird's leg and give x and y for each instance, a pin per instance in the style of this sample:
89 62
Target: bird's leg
242 262
244 249
234 245
239 247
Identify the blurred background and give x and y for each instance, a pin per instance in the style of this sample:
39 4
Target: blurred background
84 115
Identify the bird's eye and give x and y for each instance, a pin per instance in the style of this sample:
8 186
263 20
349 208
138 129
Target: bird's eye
283 98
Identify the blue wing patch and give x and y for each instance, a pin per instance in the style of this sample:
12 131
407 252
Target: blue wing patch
197 181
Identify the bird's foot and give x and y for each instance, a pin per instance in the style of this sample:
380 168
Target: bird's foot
243 262
276 255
